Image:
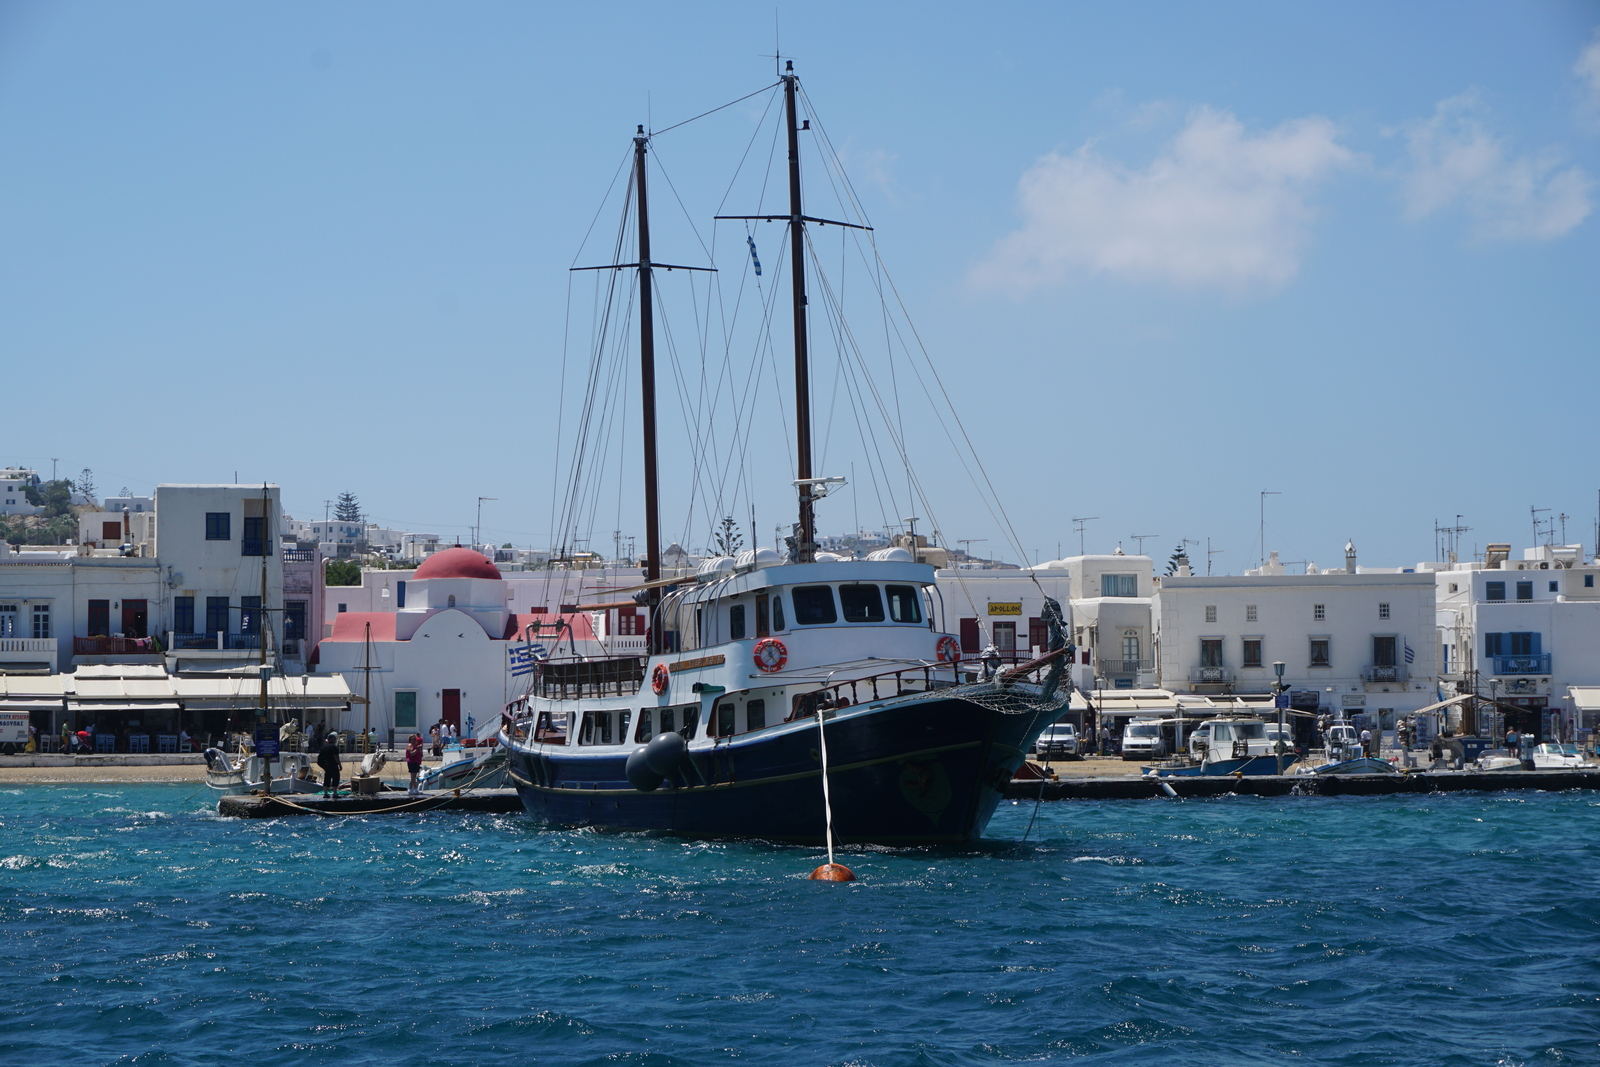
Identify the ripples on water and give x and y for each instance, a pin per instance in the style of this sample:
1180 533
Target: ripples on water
139 928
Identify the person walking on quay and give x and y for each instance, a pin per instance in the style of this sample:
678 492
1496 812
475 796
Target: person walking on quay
414 763
328 760
66 739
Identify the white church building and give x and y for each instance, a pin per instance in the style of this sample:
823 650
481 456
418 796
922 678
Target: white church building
454 652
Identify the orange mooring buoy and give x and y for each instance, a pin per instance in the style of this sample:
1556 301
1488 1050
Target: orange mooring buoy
833 872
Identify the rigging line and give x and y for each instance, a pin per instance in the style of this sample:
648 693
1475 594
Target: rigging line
993 493
661 169
627 158
713 111
755 132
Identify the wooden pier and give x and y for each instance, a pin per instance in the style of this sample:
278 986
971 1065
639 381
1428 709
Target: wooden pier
1310 785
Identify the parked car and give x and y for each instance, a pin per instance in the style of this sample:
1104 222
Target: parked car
1142 739
1059 739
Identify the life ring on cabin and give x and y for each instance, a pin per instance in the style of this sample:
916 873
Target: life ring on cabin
659 679
770 655
948 651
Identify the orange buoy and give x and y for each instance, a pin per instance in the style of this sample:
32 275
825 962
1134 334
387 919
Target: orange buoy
833 872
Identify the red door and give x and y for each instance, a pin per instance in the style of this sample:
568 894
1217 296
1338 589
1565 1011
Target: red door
969 636
452 707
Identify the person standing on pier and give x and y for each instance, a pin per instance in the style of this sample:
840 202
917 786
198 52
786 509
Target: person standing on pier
414 763
328 760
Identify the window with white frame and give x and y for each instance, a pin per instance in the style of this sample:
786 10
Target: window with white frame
41 620
1211 613
1250 613
8 620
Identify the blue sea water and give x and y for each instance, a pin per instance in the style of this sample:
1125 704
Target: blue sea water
137 927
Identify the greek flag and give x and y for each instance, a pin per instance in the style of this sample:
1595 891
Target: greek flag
525 659
1411 655
751 241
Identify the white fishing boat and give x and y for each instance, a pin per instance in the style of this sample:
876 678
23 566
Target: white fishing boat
466 768
256 774
1559 757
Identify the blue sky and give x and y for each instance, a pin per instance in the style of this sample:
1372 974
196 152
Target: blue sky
1164 256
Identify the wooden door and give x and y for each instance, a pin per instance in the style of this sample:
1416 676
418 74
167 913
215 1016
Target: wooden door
969 636
452 707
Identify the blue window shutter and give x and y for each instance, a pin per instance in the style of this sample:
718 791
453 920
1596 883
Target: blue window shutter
400 594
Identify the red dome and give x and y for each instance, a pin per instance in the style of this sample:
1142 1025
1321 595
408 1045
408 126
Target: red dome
457 563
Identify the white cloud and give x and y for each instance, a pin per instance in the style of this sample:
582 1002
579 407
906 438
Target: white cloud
1218 208
1587 68
1456 161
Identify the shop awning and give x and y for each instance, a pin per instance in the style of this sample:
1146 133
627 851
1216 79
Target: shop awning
94 707
1584 697
26 704
1442 704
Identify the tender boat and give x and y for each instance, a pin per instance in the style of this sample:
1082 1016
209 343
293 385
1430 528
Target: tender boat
759 671
463 768
291 775
1231 744
1558 757
1359 765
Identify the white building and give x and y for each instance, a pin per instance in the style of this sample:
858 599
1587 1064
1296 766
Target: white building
14 484
1356 642
451 648
1526 634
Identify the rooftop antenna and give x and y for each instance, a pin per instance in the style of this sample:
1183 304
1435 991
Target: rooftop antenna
1534 513
970 541
1141 538
1264 494
1079 524
1209 553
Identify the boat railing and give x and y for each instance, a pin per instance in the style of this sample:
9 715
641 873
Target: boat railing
579 679
906 681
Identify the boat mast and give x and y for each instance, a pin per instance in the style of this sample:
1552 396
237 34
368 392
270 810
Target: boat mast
805 546
647 396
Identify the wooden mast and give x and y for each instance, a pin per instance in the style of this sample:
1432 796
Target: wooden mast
647 396
805 546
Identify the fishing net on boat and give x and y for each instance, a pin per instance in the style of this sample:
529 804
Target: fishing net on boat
1014 698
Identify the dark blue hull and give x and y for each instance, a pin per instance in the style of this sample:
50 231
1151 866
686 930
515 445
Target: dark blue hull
928 771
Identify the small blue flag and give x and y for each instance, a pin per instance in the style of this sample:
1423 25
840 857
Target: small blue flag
751 241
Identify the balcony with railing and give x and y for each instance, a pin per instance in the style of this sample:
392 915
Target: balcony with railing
1386 673
299 555
217 642
1538 663
111 646
26 649
1124 666
1211 675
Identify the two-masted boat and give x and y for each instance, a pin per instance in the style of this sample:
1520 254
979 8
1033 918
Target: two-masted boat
761 670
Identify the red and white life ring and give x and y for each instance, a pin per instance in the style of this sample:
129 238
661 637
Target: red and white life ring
948 651
659 679
770 655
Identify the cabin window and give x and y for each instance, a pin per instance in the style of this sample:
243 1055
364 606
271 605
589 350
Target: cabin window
755 715
551 727
861 603
763 616
777 613
668 721
622 725
596 728
644 732
691 722
736 623
813 605
725 711
904 604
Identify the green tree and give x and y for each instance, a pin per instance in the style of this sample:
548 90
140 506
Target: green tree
1179 558
342 572
727 540
348 508
55 497
85 483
